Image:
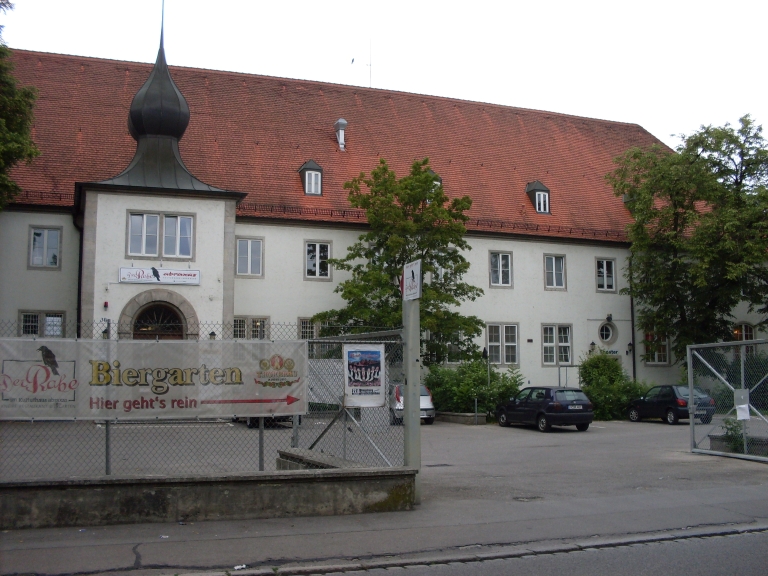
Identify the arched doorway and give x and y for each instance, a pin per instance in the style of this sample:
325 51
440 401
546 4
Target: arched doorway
158 322
158 308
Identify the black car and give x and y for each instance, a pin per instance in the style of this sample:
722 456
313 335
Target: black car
670 403
547 406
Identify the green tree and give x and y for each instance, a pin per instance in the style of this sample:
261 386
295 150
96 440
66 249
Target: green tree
410 218
700 232
16 104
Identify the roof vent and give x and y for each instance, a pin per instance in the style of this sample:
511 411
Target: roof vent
340 126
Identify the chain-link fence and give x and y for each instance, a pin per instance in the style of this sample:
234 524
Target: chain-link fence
729 383
327 436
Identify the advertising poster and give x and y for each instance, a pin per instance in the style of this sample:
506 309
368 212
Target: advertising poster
364 376
59 378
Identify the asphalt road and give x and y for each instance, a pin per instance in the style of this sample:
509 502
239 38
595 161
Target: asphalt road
742 554
488 493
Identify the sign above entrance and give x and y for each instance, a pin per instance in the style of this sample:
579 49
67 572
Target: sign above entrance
159 276
412 280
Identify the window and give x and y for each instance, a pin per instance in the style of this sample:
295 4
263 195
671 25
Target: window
501 269
606 332
656 349
143 234
605 275
44 248
312 183
542 202
307 329
251 328
249 257
177 241
317 260
554 272
743 332
556 345
502 339
146 231
42 324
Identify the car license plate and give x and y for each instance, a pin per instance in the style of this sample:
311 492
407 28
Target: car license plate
423 415
575 407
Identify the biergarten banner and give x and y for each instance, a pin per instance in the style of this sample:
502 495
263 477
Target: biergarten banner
136 379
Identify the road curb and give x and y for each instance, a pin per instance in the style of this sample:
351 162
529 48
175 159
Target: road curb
502 552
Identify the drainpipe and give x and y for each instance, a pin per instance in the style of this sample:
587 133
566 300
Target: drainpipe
632 316
81 229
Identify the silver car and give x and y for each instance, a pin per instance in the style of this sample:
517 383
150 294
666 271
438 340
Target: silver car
426 407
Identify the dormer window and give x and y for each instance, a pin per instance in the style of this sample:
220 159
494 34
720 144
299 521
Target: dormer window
539 195
312 178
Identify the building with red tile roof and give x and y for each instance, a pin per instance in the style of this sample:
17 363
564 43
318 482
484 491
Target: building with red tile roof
236 178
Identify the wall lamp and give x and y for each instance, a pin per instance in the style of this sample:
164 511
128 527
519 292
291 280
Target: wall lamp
609 318
592 346
212 335
630 347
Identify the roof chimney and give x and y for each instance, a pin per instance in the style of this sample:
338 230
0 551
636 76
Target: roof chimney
340 126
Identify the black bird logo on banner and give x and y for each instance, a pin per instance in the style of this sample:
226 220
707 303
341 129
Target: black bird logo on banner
49 359
155 273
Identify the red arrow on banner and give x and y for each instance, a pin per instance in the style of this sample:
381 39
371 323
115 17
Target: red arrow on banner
288 400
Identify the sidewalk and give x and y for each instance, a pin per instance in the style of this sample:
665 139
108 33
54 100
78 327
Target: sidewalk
487 490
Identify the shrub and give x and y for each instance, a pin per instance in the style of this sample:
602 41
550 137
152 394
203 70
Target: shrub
608 386
734 434
455 390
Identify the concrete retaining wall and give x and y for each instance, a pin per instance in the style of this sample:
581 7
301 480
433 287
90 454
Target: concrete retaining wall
460 417
111 500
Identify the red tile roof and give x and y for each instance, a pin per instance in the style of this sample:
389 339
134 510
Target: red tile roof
252 133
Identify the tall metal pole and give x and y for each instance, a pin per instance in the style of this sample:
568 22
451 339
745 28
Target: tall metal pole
411 420
261 444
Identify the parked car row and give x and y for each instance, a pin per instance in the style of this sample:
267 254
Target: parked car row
547 406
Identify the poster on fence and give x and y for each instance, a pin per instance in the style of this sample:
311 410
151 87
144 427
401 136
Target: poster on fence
364 375
129 379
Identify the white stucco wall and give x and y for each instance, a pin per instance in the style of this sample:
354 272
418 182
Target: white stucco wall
110 253
23 288
283 294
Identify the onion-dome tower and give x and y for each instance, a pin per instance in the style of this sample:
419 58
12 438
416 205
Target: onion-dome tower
158 117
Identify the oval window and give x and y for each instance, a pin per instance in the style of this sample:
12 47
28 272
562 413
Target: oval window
606 333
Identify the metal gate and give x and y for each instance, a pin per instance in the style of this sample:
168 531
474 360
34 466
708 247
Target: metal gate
728 399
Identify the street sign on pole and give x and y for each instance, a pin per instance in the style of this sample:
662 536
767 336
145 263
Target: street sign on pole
412 280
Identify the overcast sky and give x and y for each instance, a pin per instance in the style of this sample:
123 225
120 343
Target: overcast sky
669 65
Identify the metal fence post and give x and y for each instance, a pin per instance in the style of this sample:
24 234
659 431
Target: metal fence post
743 350
691 398
261 444
107 451
344 436
295 432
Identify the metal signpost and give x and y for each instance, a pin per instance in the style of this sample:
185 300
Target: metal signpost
411 342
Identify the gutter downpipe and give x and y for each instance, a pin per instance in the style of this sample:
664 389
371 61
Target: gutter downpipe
79 192
632 321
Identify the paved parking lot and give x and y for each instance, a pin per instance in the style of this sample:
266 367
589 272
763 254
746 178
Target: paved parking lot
611 458
486 489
